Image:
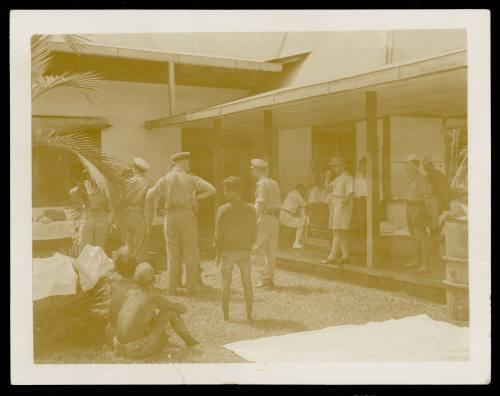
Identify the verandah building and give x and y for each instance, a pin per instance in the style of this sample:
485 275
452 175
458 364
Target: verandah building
304 98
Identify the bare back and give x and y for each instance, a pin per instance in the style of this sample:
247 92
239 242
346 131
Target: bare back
136 315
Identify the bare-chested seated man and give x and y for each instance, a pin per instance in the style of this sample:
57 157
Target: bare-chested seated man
125 264
142 321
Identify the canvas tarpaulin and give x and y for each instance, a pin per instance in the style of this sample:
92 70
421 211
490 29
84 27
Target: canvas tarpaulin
53 276
415 338
91 265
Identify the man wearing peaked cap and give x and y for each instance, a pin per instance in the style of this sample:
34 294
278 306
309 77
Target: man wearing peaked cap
267 205
183 156
417 194
140 164
137 238
259 163
181 192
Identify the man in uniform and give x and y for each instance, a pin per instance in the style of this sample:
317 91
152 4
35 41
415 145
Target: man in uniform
267 205
181 192
418 194
137 235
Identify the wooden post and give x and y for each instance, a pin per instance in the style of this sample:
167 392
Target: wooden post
171 89
386 164
272 144
372 162
218 164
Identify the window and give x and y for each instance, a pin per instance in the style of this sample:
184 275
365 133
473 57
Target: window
54 172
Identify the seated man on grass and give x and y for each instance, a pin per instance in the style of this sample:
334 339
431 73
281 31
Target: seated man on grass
143 317
235 233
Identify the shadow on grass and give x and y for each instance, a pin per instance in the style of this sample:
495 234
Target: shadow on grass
301 290
277 324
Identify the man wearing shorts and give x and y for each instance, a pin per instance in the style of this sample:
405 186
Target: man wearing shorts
235 234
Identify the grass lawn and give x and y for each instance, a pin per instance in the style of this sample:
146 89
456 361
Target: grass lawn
299 302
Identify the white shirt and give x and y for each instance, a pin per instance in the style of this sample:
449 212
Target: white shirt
342 186
360 189
293 202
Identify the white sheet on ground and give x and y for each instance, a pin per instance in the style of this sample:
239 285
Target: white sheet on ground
415 338
91 265
53 276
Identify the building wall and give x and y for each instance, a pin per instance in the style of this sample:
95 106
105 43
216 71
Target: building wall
295 154
126 106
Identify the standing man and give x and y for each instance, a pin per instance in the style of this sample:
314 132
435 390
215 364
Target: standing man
267 205
418 194
95 219
235 233
137 230
181 192
440 199
360 194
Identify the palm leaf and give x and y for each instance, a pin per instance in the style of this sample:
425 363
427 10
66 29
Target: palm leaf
106 173
41 56
83 80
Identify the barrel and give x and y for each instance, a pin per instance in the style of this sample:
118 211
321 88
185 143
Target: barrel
457 288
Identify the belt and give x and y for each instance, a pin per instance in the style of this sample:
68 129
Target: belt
415 203
272 211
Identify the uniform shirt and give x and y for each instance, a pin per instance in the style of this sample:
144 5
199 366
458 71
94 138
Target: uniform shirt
316 194
268 193
178 188
235 227
95 200
360 186
293 203
417 188
342 186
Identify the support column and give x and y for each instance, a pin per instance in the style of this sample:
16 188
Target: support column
272 141
172 104
372 162
218 165
386 164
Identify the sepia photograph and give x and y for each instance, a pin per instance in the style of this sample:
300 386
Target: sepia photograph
250 197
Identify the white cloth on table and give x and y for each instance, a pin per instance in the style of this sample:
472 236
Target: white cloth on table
340 213
410 339
54 230
53 276
91 265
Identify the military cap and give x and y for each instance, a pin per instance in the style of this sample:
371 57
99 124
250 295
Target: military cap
259 163
144 274
337 161
181 156
412 157
141 164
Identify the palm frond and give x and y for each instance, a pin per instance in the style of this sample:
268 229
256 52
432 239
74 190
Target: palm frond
83 80
107 173
76 42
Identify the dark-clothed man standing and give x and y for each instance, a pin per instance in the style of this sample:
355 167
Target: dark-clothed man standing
181 192
418 194
235 234
267 205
